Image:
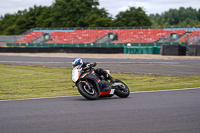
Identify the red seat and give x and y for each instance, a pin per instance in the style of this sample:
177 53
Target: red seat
29 37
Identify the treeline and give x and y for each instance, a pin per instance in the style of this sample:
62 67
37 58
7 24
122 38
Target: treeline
181 17
86 13
70 13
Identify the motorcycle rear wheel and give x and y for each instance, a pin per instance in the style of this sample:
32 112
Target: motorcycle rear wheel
122 92
90 94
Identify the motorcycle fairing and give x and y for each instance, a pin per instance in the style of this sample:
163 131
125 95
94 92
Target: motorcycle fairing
75 74
84 74
94 78
109 92
98 83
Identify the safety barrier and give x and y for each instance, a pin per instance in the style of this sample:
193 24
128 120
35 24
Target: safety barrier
102 50
91 44
194 50
66 44
175 50
142 50
128 48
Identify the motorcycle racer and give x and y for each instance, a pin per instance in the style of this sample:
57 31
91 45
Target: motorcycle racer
93 83
78 62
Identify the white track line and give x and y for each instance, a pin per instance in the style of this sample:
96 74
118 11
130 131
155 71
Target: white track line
97 62
167 90
80 95
28 62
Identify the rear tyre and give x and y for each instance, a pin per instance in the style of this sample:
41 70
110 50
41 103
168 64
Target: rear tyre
122 91
88 93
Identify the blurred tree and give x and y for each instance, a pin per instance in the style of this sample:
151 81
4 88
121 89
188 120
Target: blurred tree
45 19
7 21
72 13
99 18
177 17
132 17
85 13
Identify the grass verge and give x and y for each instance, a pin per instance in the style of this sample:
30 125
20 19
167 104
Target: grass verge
21 82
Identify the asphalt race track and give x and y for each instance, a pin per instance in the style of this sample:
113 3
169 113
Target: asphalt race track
175 111
151 66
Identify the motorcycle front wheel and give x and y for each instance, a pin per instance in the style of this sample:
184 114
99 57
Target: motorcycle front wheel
122 91
88 92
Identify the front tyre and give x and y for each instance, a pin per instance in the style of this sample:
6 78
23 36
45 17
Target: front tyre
123 90
88 92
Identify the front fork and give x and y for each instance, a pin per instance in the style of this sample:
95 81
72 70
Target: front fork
88 85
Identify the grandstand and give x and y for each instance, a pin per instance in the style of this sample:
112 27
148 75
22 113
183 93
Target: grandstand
112 36
116 40
29 37
192 37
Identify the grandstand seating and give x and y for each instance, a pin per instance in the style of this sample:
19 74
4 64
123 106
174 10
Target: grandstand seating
191 35
29 37
77 36
90 36
124 35
144 35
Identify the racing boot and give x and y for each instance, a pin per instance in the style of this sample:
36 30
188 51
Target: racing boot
112 80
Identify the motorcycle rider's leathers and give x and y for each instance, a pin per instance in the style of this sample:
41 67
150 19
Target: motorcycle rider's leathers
103 75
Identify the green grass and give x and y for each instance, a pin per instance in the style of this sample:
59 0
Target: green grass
21 82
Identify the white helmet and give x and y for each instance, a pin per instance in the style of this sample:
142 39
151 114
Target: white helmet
77 62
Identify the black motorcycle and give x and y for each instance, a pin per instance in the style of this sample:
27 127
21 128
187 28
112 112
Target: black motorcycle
89 84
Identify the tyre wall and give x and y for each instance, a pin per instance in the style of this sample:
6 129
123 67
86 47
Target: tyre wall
61 50
194 50
175 50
